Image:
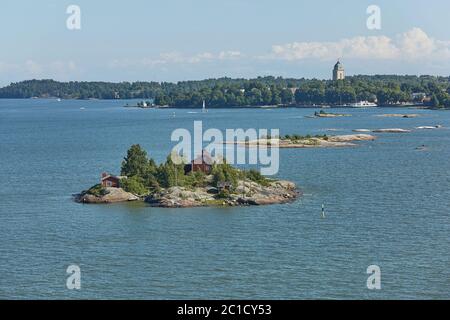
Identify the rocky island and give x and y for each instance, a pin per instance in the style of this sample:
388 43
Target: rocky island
198 184
324 114
392 130
398 115
308 141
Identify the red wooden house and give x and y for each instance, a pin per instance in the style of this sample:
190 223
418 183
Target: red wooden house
110 181
202 163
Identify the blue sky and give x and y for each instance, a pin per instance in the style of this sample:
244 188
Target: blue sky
171 40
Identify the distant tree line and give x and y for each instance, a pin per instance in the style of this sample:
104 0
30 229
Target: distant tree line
227 92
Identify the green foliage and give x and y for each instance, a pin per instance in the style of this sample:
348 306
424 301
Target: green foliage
223 194
447 102
435 101
134 185
144 175
195 179
170 174
136 163
97 190
152 183
297 137
256 176
386 89
225 173
226 92
143 170
218 175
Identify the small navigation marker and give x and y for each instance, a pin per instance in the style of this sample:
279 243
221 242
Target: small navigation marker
323 211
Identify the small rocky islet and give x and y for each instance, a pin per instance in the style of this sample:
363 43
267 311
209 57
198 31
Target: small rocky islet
201 183
324 114
246 193
298 141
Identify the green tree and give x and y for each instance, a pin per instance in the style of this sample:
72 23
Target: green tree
266 96
224 172
134 185
170 174
435 101
256 176
135 163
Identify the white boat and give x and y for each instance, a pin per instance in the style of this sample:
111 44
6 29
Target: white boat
363 104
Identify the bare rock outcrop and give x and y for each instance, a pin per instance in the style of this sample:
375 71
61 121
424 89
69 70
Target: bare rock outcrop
108 195
245 193
391 130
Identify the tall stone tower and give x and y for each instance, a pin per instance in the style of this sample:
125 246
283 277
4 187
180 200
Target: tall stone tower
338 71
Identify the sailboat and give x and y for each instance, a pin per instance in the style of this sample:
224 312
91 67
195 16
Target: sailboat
204 107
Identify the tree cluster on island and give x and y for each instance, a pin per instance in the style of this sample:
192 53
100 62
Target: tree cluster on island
227 92
144 176
173 185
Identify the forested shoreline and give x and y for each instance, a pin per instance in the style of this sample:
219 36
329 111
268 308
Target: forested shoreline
226 92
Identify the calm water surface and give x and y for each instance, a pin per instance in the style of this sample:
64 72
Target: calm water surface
386 204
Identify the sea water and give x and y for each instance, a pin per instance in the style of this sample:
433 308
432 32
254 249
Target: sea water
386 203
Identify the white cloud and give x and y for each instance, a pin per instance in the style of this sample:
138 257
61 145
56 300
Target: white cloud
5 67
226 55
61 67
33 68
17 71
29 67
176 58
412 45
